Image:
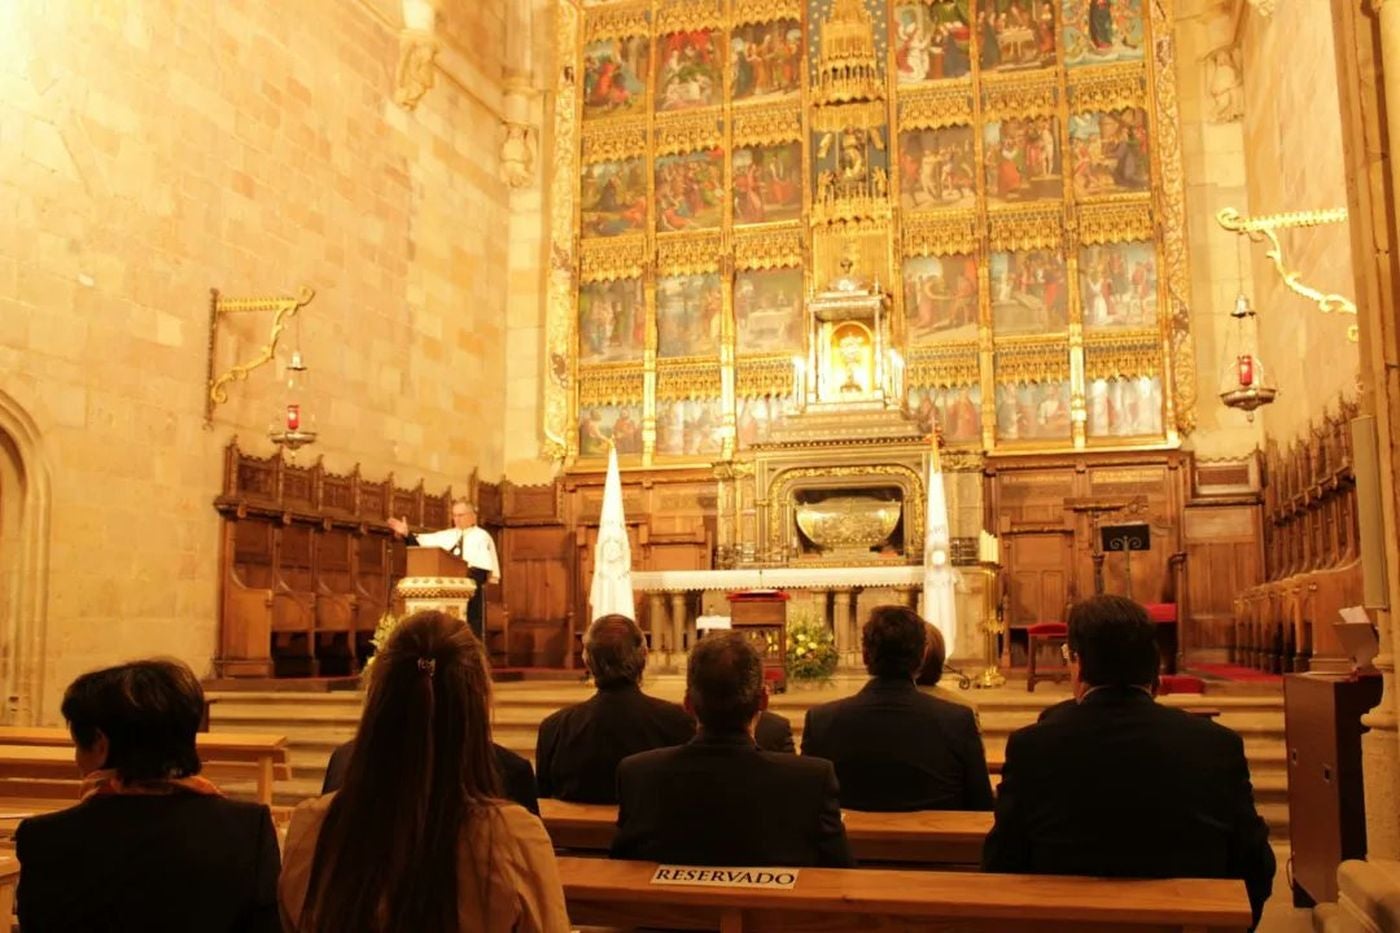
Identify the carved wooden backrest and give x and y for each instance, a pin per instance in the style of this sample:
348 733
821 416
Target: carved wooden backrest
307 551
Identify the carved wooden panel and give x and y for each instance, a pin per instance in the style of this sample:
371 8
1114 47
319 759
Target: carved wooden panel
308 563
1037 576
1224 553
537 584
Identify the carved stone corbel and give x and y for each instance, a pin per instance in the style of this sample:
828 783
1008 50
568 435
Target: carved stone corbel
518 155
417 57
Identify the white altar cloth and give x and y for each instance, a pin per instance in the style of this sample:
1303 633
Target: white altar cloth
776 578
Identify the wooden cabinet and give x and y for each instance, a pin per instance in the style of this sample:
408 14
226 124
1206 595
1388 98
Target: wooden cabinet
1326 808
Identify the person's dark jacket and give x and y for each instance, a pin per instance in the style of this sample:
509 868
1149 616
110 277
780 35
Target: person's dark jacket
896 748
774 733
149 864
517 777
720 800
579 747
1120 786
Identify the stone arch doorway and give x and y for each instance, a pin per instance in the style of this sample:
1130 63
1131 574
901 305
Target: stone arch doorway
25 506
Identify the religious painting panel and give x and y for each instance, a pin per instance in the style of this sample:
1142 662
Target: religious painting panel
689 427
768 310
611 321
765 60
689 191
1024 162
601 425
956 410
940 298
1124 406
767 183
689 69
1118 285
614 76
1033 411
613 197
759 417
937 168
933 40
1109 152
688 315
1015 35
1097 32
1030 292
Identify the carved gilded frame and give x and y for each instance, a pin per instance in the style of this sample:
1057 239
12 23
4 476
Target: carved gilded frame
1156 215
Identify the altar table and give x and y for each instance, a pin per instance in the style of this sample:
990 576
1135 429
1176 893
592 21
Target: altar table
841 585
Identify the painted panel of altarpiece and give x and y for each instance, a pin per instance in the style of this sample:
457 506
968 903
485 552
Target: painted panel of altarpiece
1100 31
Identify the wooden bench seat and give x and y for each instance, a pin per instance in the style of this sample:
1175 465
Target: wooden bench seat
38 761
930 837
620 894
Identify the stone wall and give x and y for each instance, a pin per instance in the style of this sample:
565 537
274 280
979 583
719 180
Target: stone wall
150 151
1212 144
1292 131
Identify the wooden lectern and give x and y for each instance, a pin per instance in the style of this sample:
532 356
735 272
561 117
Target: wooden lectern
434 562
761 615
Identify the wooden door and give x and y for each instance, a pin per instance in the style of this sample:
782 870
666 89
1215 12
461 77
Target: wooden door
1038 568
536 566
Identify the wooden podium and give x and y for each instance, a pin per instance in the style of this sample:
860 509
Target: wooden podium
761 615
434 562
436 580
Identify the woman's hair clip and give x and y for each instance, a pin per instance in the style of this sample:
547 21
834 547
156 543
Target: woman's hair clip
428 664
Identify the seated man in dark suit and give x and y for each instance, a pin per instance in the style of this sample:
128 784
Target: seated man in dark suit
152 847
721 800
1118 785
579 746
517 777
896 748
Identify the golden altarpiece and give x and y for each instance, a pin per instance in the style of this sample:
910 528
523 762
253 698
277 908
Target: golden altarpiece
792 238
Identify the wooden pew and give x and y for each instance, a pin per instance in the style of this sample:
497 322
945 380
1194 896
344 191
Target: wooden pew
9 881
40 754
944 837
620 894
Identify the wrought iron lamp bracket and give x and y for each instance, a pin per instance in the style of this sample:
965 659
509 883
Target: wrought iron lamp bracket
283 308
1265 229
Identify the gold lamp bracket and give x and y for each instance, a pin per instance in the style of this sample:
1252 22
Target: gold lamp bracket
284 309
1260 229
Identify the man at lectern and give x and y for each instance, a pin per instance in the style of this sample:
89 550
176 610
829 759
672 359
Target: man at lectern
472 543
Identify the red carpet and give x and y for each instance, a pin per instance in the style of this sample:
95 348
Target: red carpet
1236 673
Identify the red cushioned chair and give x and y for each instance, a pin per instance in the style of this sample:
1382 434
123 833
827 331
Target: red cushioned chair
1045 636
1168 684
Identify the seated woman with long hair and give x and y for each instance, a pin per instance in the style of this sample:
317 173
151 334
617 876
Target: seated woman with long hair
152 846
417 840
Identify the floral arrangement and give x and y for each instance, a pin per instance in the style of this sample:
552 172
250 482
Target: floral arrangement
811 649
382 630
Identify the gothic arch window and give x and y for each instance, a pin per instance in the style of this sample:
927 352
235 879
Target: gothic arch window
25 499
